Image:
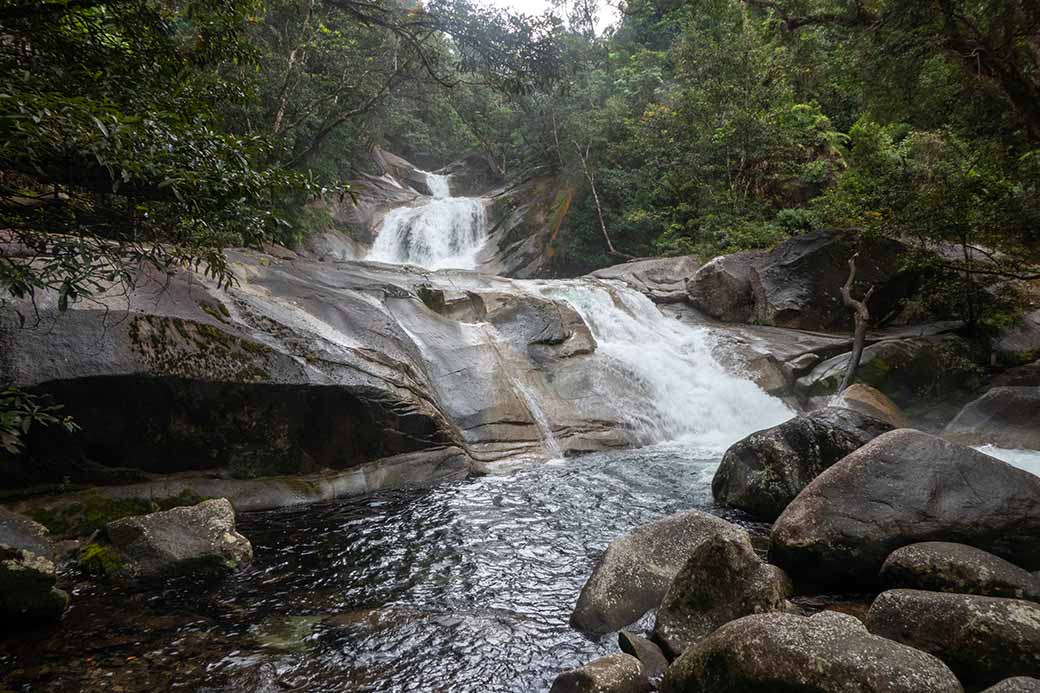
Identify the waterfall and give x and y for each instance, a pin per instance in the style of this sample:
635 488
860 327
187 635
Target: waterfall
440 232
661 376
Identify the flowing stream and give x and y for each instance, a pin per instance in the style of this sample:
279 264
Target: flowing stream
467 586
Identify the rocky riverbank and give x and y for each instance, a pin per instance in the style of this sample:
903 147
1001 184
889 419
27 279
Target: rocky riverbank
938 538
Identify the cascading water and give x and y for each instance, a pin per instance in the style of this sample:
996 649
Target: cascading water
440 233
663 379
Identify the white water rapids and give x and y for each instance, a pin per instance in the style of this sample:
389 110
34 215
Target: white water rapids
659 376
441 232
662 377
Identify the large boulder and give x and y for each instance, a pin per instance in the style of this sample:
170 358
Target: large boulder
637 569
1008 417
872 402
1018 684
941 566
722 580
198 540
616 673
982 639
763 473
797 284
828 653
27 572
905 369
662 279
722 288
901 488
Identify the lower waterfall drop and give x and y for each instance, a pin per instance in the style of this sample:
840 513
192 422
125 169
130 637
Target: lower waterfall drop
664 380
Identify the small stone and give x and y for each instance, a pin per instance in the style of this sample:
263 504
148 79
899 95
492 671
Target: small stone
616 673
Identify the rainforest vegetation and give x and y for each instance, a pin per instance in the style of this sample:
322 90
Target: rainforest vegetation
166 130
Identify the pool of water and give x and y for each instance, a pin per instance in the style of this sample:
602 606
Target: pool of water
463 587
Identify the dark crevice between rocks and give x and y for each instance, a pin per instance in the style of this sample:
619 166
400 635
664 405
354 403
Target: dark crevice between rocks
136 427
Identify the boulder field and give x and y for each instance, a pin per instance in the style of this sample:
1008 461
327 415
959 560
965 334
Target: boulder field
901 488
950 533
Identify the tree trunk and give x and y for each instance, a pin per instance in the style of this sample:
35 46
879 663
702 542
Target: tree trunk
611 250
862 319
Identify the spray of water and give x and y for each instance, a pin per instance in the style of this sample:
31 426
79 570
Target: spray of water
661 376
439 233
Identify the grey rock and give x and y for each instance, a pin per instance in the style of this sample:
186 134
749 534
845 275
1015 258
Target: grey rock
945 567
20 532
662 279
197 540
722 580
649 654
27 572
982 639
27 588
616 673
768 374
1007 417
902 368
1018 684
901 488
637 569
722 287
828 653
763 473
796 284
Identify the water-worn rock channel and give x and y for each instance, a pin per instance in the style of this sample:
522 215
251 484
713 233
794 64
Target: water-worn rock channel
430 462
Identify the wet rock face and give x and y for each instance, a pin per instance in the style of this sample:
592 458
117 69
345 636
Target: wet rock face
722 287
906 487
663 279
617 673
763 473
828 653
637 569
198 540
796 284
721 581
302 366
982 639
945 567
1007 417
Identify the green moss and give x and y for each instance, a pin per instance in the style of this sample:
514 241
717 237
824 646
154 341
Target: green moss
103 561
92 510
255 348
217 312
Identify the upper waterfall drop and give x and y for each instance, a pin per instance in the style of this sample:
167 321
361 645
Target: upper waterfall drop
442 232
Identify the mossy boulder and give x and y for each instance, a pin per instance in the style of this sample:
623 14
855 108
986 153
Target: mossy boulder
198 541
27 588
905 370
27 573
